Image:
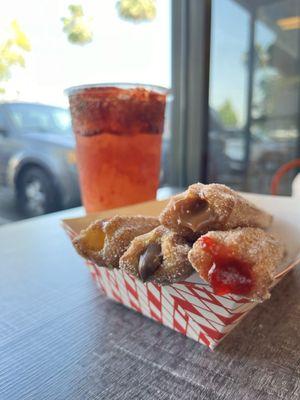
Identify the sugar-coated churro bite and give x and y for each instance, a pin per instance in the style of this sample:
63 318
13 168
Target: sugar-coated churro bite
240 261
159 256
202 208
210 229
104 241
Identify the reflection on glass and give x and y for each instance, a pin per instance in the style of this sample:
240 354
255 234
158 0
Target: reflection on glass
228 84
269 116
275 107
93 41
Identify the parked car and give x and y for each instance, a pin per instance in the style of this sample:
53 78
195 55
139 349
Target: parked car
37 157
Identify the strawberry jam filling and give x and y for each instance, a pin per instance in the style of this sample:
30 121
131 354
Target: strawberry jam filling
227 273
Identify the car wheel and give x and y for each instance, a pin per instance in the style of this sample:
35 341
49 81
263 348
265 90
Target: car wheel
36 193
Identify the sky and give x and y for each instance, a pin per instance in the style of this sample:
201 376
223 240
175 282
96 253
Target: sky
123 51
229 44
120 50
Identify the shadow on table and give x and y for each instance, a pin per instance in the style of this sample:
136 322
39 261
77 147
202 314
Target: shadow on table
271 330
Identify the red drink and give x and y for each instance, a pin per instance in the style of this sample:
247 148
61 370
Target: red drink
118 135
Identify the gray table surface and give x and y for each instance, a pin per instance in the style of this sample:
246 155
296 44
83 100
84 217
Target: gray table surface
60 338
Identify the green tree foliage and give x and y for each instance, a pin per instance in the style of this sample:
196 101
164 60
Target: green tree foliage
77 26
227 114
12 50
273 88
261 56
137 10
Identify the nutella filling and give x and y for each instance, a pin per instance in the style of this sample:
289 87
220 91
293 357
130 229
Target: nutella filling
196 214
150 261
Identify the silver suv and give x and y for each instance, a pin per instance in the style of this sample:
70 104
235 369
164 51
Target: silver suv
37 157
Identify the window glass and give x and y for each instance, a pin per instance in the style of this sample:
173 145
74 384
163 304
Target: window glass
47 46
260 117
110 48
228 83
275 107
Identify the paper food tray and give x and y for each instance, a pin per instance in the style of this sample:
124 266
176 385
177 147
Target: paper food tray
190 307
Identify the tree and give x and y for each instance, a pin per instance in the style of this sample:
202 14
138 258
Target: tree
77 26
12 51
261 57
137 10
227 114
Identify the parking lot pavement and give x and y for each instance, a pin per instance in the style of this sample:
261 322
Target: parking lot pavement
8 210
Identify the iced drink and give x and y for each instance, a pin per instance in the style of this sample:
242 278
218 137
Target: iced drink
118 135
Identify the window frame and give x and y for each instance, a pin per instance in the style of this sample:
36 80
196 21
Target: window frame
191 30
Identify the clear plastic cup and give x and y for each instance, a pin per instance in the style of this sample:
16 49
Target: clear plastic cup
118 130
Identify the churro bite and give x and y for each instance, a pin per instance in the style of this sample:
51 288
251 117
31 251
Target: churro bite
104 241
159 256
240 261
202 208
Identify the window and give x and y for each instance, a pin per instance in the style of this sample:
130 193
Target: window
228 86
119 50
254 89
51 45
233 66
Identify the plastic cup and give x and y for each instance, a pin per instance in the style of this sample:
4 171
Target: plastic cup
118 130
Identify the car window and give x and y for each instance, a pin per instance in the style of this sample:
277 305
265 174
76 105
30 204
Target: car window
61 119
30 118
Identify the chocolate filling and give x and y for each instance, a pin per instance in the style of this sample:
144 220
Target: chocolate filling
150 261
196 214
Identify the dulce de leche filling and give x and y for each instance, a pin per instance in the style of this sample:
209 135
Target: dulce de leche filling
227 273
117 111
194 213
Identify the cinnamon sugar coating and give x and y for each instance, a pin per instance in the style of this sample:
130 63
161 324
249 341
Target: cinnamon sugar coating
104 241
257 248
174 261
202 208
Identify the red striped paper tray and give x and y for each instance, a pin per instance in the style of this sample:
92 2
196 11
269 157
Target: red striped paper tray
190 307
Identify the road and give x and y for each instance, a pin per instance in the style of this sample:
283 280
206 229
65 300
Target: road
8 210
